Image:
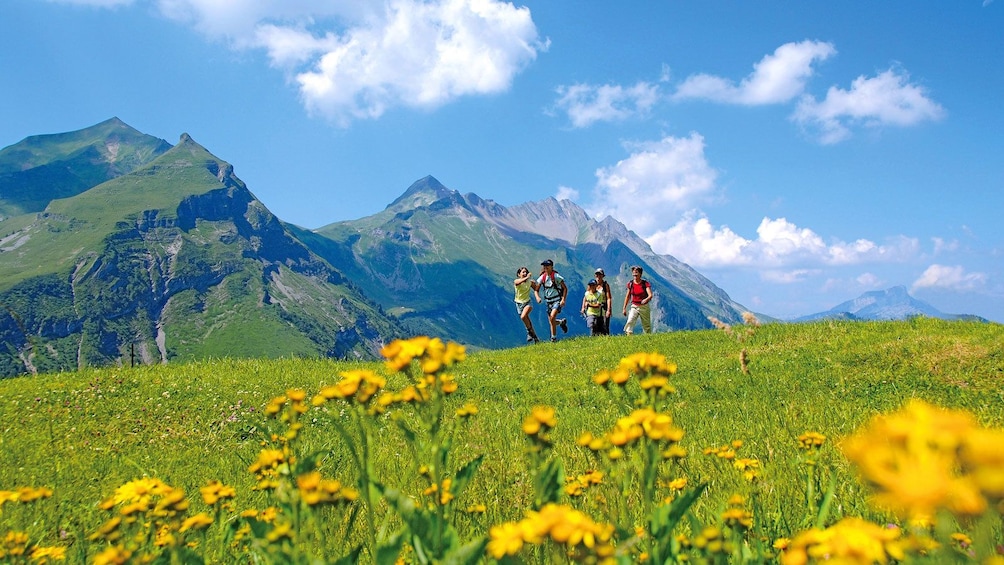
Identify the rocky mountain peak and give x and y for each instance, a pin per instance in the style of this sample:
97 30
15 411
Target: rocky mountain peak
422 192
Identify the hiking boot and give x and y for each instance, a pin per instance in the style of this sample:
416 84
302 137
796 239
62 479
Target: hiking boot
529 338
554 339
564 324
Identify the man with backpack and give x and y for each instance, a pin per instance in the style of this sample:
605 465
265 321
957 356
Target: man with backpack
639 294
553 287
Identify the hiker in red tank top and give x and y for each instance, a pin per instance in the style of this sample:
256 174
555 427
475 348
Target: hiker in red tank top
639 294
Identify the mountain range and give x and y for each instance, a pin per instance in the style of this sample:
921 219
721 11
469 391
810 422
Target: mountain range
891 304
117 247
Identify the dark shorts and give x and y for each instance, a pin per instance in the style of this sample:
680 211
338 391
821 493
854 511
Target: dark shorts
520 306
554 305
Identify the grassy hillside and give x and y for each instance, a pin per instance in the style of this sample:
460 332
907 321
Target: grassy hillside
84 434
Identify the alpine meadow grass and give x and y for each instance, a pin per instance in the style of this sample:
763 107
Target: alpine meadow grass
860 441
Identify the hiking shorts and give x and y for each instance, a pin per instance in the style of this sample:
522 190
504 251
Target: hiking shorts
554 305
520 306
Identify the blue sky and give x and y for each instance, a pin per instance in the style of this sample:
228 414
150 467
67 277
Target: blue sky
796 153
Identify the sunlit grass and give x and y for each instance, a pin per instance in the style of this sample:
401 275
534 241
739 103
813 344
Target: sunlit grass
85 434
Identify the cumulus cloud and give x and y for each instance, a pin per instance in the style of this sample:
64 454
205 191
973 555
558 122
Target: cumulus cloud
567 193
949 277
353 59
586 104
779 245
651 187
886 99
777 78
420 55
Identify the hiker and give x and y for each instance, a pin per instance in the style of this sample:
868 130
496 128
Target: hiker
555 293
523 284
592 307
608 305
639 294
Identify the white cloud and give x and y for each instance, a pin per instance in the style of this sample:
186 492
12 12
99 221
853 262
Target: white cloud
869 280
355 59
421 55
942 246
587 104
567 193
651 187
886 99
788 277
695 241
777 78
779 244
952 278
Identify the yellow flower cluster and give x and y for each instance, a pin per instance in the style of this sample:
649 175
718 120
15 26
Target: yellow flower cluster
711 542
294 402
641 423
431 353
576 485
924 458
156 509
467 410
811 440
581 536
314 490
653 364
271 463
850 541
727 452
359 384
42 555
654 367
736 516
750 468
445 496
540 421
216 491
24 495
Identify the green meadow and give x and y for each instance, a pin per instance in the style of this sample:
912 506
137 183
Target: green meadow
86 434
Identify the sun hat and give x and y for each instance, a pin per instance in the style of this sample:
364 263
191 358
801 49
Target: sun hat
592 282
546 262
599 271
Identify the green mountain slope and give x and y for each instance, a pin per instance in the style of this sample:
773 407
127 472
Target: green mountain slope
42 168
175 260
444 264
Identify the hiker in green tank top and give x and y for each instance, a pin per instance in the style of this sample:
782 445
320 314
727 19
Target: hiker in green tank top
592 307
523 284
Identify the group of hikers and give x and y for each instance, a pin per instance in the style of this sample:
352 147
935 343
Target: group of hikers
597 302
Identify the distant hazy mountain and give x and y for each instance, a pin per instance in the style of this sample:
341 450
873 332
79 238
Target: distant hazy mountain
892 304
444 263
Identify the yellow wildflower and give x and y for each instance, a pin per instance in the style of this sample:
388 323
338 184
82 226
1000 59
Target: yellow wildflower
42 554
851 540
811 440
505 539
140 490
198 522
115 555
911 460
214 491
